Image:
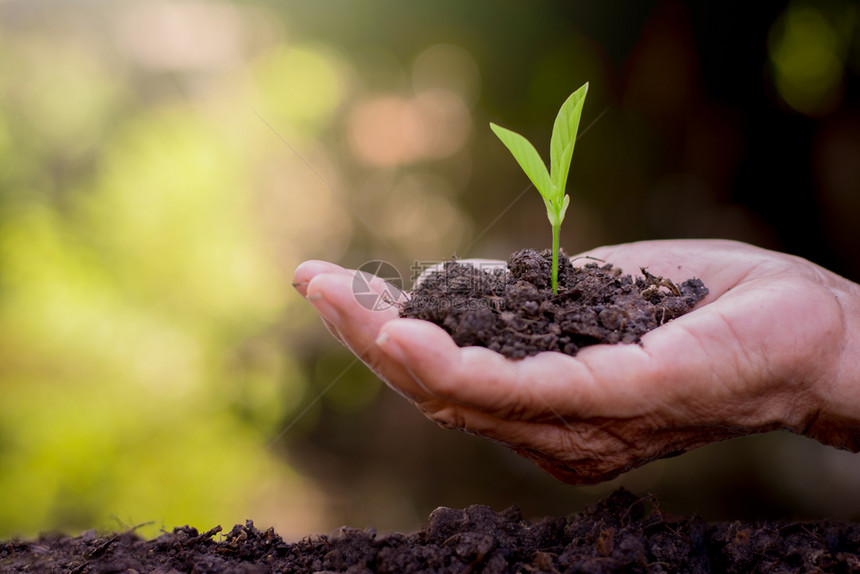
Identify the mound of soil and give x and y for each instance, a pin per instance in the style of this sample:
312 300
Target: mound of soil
620 534
515 312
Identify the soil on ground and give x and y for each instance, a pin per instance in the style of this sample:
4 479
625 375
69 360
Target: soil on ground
622 533
516 313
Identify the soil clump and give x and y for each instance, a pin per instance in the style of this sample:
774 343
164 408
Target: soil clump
515 312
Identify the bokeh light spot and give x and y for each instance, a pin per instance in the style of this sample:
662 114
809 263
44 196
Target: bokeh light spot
180 35
386 131
421 219
447 67
807 56
301 86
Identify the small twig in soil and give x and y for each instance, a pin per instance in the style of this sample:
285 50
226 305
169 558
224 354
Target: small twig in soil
208 534
101 548
587 257
656 282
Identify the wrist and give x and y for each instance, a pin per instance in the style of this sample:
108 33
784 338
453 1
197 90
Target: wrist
836 418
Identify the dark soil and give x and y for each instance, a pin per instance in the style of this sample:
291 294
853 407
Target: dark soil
515 312
620 534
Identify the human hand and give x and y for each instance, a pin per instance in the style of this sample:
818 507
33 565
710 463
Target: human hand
776 344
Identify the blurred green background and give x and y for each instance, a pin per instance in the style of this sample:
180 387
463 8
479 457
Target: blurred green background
165 165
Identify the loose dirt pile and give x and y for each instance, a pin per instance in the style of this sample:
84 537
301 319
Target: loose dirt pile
515 312
620 534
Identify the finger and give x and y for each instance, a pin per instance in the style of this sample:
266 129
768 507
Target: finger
357 326
307 271
574 451
333 330
333 297
436 347
310 269
535 387
669 373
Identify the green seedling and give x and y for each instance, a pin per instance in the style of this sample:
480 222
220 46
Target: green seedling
551 185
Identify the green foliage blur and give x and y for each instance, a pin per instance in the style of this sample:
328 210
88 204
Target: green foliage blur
144 281
165 165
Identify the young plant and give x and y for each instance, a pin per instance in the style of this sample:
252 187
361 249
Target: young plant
551 185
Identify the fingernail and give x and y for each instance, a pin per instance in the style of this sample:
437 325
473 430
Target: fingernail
324 308
390 347
301 287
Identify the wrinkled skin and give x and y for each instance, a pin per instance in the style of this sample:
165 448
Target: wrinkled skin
774 345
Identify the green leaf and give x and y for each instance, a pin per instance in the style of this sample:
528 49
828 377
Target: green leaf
551 212
528 158
563 210
564 137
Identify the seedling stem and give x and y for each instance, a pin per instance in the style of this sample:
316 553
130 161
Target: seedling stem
550 184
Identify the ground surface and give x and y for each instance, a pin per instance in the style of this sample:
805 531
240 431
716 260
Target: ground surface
515 312
620 534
